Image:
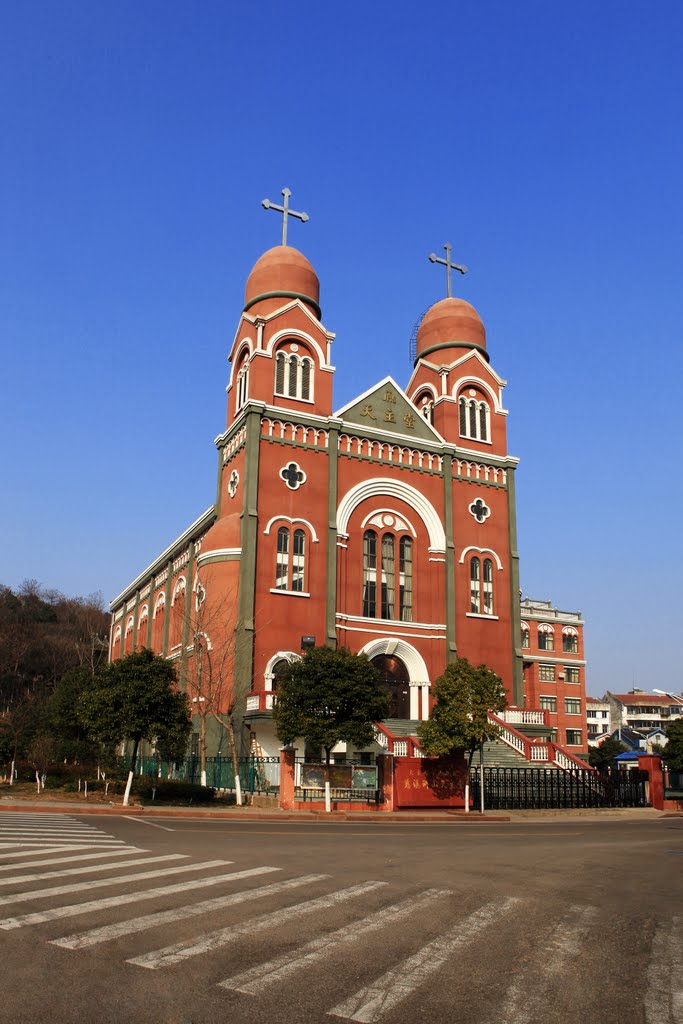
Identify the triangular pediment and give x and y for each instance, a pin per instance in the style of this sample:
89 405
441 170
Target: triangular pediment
385 408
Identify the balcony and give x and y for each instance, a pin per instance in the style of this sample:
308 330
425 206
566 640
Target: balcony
259 703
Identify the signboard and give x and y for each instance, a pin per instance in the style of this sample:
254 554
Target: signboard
340 776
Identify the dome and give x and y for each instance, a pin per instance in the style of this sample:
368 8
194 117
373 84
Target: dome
450 323
283 272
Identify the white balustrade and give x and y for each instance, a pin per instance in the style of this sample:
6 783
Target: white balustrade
253 703
522 717
401 748
539 752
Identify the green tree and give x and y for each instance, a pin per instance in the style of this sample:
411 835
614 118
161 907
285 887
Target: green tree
459 720
327 697
64 722
673 751
602 757
135 698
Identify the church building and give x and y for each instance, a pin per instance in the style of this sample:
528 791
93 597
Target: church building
386 526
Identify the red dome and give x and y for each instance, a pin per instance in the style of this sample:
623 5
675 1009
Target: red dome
450 323
283 272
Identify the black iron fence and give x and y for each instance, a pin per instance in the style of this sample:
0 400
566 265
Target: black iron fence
540 788
343 795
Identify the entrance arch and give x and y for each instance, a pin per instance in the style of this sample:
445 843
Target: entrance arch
394 678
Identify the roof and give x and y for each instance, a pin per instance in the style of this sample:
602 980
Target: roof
643 698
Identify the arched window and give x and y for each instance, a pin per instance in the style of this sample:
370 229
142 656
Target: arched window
158 623
141 640
280 668
546 637
116 644
128 635
290 560
474 416
570 640
525 635
178 613
475 580
242 385
425 403
481 586
380 577
293 375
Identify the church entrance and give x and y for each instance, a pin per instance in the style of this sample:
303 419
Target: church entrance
393 676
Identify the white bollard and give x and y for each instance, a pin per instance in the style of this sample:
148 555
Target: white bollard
238 791
328 805
467 798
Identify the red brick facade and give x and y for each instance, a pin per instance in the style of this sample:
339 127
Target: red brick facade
387 526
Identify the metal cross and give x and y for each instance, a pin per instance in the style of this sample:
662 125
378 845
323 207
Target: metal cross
285 211
448 265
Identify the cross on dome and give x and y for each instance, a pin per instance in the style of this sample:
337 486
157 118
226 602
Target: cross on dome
433 258
285 211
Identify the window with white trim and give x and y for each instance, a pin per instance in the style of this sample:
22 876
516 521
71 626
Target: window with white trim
242 385
571 674
474 416
386 593
290 561
546 637
425 403
546 673
293 375
525 636
548 703
570 640
572 706
574 737
481 586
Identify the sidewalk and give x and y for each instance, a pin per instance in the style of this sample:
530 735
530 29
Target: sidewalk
641 814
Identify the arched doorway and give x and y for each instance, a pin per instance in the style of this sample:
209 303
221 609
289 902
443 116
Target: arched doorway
393 676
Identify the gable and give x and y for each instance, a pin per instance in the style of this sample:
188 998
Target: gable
386 408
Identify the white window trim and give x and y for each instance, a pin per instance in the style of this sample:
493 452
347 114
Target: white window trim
291 593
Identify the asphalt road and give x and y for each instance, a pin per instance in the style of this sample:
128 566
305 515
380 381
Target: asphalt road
178 921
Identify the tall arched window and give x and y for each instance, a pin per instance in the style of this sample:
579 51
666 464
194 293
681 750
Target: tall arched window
546 637
380 577
141 640
474 417
178 613
128 635
481 586
475 584
570 640
525 635
290 561
116 644
158 623
394 678
293 375
242 385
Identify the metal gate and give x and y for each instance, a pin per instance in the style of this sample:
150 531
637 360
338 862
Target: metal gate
541 788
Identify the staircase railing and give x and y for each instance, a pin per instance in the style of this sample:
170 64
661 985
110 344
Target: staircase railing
533 750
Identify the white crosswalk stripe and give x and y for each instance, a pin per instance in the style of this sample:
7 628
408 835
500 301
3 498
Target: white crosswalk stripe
253 980
65 860
98 883
40 876
372 1002
23 831
223 936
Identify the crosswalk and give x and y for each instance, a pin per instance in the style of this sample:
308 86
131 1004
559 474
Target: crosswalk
52 833
276 931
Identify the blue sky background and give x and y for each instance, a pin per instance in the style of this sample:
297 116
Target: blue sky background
543 140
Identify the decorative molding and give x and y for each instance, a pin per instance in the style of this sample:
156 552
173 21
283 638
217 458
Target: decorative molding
482 551
409 655
383 487
479 510
178 588
388 519
219 555
293 476
292 521
233 483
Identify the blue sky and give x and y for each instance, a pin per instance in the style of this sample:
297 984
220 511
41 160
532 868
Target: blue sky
543 140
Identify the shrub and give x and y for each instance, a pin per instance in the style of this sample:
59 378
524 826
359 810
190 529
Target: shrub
173 791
